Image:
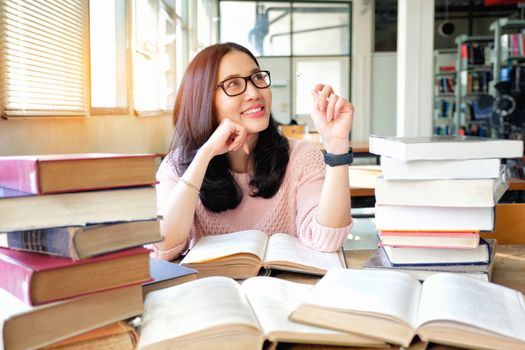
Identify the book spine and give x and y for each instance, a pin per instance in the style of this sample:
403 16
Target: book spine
20 175
53 241
16 279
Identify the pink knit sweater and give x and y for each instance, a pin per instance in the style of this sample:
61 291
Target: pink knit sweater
291 210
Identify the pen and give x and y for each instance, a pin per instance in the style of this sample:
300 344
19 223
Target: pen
303 78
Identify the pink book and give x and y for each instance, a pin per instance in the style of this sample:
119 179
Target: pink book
429 239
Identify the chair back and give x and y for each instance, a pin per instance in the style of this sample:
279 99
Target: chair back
291 130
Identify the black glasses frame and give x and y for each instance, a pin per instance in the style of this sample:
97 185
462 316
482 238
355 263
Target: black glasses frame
246 79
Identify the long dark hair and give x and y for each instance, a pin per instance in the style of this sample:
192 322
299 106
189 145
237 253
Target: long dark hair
195 120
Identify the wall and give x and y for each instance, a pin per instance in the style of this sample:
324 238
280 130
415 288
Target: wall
112 134
384 72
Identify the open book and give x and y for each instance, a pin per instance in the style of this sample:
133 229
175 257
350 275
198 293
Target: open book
242 254
218 313
394 306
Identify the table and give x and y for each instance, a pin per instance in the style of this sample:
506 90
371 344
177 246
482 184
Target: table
508 271
509 266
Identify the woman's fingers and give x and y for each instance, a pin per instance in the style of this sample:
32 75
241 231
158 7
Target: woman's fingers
238 137
330 111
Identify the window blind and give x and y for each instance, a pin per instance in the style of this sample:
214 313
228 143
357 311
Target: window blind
44 54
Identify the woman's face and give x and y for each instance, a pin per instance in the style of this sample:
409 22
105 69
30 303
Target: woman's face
250 108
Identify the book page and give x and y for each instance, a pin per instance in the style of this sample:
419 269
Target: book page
395 294
192 307
213 247
480 304
273 300
10 306
285 247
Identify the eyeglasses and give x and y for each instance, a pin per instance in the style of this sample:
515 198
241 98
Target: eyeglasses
236 86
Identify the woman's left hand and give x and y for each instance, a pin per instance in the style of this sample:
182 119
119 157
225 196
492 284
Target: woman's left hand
332 116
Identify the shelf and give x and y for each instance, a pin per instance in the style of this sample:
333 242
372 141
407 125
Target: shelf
465 39
477 68
508 24
515 58
501 27
447 96
474 95
444 102
445 74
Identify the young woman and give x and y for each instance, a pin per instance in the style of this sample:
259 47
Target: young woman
229 169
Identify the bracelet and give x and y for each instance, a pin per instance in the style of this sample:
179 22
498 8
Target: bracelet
190 185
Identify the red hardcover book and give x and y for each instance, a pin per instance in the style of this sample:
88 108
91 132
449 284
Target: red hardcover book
38 279
60 173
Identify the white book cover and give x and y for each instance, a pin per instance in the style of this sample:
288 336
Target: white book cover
444 147
394 169
402 217
441 193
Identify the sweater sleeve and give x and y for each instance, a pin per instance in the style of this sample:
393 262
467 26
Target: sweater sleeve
167 179
310 172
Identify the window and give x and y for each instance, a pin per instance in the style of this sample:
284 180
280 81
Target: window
107 36
153 56
43 56
292 36
77 57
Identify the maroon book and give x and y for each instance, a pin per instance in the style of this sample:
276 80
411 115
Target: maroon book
59 173
38 279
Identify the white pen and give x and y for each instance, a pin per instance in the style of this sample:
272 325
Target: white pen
303 77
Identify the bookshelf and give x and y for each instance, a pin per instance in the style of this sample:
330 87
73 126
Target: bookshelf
508 84
508 45
473 76
444 88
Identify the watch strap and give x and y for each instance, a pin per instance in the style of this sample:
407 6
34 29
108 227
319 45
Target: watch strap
338 159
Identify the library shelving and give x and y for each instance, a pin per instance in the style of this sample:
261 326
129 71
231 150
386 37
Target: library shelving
509 50
473 76
444 91
508 85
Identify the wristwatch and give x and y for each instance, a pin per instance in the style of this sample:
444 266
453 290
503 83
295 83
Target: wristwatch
338 159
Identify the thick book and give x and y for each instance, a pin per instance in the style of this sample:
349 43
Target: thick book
394 169
31 327
219 313
404 217
393 306
30 212
38 279
119 335
242 254
429 239
166 274
400 256
444 147
379 261
82 242
59 173
441 193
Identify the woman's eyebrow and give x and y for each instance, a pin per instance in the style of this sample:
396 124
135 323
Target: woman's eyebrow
255 70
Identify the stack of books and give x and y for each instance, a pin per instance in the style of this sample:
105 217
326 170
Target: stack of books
71 253
435 196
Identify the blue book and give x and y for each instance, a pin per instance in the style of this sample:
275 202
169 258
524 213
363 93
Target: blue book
401 256
165 274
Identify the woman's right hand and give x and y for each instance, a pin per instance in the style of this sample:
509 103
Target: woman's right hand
229 136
